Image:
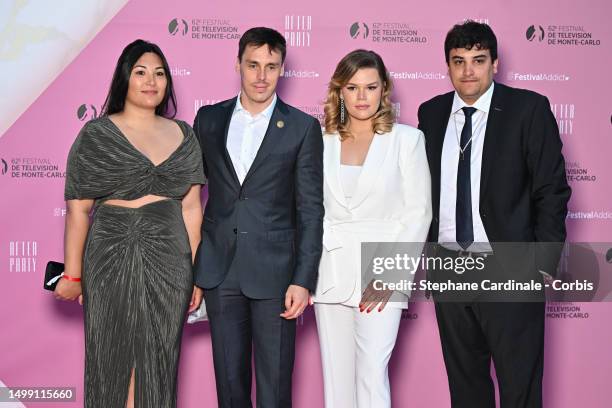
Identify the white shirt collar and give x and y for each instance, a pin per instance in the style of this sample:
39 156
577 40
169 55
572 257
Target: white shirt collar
267 113
482 104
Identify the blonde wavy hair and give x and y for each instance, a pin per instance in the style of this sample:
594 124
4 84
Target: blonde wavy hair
382 121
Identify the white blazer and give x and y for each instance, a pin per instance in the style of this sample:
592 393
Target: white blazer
391 203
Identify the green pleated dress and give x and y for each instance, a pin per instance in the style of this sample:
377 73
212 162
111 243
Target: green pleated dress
137 270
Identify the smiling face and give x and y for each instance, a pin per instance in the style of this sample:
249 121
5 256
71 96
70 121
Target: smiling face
147 85
471 72
362 94
259 68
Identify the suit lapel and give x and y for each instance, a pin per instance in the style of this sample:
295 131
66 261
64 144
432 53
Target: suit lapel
331 157
226 118
494 126
276 130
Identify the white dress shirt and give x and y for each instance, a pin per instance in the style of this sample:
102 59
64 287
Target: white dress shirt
349 176
245 134
448 176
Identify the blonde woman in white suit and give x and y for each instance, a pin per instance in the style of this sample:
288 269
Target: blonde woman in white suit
376 189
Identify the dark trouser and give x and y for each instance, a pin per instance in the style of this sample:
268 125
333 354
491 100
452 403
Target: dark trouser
239 324
511 333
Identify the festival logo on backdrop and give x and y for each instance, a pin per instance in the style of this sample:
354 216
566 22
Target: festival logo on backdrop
315 111
589 215
577 173
564 113
34 168
290 72
298 30
179 71
416 75
298 33
59 212
178 25
86 112
388 32
204 29
4 166
565 310
198 103
535 32
23 256
536 76
359 30
562 35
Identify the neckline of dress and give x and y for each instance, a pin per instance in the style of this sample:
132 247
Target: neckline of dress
147 158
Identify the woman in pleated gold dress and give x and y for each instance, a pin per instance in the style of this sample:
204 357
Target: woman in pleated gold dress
140 172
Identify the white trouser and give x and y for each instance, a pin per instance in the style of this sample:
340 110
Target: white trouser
355 352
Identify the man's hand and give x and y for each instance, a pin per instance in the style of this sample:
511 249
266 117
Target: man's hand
196 299
296 300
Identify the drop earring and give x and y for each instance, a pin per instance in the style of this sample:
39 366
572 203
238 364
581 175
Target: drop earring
342 111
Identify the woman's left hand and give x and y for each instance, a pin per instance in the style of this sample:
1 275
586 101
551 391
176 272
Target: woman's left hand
372 298
196 298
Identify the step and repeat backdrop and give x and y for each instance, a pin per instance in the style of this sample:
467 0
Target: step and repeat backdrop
558 48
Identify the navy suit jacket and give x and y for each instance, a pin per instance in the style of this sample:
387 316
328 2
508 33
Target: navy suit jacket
270 228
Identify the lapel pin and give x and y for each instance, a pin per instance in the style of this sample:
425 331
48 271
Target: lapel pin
280 124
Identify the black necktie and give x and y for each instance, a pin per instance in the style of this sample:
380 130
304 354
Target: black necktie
463 210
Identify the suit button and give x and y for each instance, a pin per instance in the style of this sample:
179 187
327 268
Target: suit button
483 215
235 230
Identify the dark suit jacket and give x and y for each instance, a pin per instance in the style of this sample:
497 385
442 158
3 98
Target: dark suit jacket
270 228
523 186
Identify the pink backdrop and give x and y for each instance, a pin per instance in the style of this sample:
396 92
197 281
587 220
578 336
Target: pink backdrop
42 339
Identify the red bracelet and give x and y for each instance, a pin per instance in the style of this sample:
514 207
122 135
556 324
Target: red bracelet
70 278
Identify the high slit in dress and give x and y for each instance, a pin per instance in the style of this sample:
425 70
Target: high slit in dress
137 269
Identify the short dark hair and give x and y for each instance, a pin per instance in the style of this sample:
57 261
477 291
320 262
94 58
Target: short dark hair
115 100
259 36
471 34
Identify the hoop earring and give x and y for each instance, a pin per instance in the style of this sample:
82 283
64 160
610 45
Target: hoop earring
342 111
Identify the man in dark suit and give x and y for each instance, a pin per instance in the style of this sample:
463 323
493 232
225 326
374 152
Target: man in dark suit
498 175
263 225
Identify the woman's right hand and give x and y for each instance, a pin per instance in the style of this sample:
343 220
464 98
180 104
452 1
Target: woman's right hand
68 290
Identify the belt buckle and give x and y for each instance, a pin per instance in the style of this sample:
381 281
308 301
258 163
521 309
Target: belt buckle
473 255
465 254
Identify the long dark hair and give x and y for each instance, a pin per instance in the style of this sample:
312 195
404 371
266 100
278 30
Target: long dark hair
115 100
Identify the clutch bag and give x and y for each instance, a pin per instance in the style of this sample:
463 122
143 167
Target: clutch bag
53 273
198 315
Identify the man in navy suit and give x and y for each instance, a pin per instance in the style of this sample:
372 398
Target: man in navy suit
263 225
498 175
